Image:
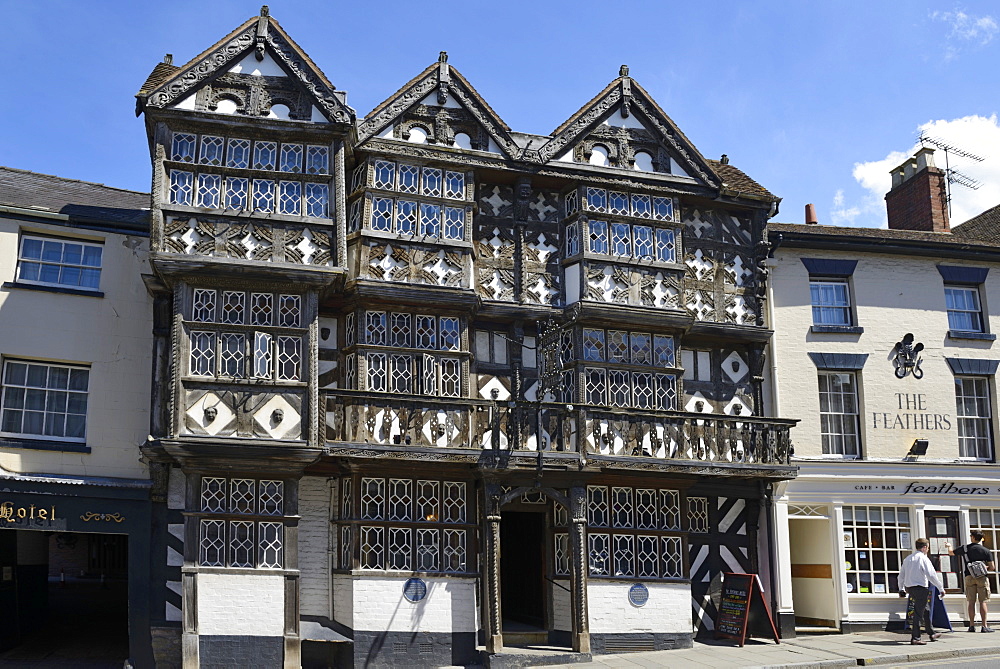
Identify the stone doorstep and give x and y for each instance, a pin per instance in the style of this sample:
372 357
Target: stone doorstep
526 657
901 658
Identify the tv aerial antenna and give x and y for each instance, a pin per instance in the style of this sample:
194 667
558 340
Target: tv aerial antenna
953 176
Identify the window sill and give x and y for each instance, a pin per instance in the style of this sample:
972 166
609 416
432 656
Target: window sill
51 289
838 329
980 336
43 445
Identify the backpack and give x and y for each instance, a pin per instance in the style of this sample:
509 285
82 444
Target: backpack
977 569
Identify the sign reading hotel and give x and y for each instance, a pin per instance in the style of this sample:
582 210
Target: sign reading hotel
910 414
13 514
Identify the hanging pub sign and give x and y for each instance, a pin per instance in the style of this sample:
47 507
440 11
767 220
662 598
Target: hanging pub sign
743 611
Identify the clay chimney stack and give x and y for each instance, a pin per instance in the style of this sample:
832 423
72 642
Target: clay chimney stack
918 199
811 214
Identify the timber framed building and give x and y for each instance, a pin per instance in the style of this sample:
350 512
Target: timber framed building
424 382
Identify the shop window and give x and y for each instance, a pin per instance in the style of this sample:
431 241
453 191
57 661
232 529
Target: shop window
987 521
876 541
839 419
975 420
45 401
407 525
241 524
633 533
964 311
59 262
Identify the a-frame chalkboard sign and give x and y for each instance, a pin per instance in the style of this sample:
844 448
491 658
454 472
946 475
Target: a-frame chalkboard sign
743 611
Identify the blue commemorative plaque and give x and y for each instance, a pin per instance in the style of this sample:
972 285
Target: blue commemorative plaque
414 589
638 594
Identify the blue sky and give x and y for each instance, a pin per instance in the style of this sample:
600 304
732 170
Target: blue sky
815 100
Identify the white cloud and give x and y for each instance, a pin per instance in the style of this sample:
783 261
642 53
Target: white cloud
976 134
969 28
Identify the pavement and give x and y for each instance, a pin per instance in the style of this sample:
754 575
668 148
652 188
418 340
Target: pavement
809 652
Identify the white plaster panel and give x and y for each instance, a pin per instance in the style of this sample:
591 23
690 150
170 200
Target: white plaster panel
450 605
562 607
314 542
241 604
572 274
343 599
618 121
267 67
176 487
668 609
432 101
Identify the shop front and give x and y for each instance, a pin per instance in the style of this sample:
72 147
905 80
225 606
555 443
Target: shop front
850 525
74 568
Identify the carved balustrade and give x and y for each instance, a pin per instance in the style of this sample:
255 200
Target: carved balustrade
364 418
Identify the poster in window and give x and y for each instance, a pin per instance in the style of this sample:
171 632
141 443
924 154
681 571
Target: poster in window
848 539
904 540
879 587
941 525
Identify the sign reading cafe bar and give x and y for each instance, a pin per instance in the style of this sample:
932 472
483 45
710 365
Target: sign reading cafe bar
917 488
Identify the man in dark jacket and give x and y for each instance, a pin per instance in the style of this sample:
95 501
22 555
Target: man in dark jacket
976 587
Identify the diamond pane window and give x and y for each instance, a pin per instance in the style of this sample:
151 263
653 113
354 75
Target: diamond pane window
666 247
242 548
290 309
454 223
598 237
271 497
663 351
209 190
597 506
597 199
618 203
354 220
426 332
346 547
264 155
348 510
263 195
289 358
619 388
212 149
181 187
430 372
572 239
262 355
427 501
236 193
642 390
409 179
381 214
621 507
618 348
450 334
454 502
454 550
624 552
673 557
427 549
599 554
203 307
400 499
358 176
272 553
375 328
560 550
399 330
398 550
663 209
641 207
213 494
385 175
239 154
291 158
431 182
371 548
646 504
317 200
430 219
232 362
454 185
596 384
372 498
212 543
451 377
572 202
289 197
378 380
647 557
593 344
182 147
233 307
242 495
56 262
402 374
351 371
670 510
642 236
641 351
202 353
317 160
698 514
666 392
406 217
261 308
621 243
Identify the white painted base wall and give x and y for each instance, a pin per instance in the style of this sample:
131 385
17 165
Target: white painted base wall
241 604
376 603
314 546
562 607
667 611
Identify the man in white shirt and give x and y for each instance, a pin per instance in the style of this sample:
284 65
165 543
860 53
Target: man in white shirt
915 575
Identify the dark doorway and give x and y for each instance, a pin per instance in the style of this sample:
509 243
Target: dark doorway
942 527
65 601
522 568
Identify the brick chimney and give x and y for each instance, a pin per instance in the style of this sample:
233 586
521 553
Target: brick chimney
918 198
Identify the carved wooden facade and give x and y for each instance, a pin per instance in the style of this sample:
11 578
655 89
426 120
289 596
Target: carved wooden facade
423 301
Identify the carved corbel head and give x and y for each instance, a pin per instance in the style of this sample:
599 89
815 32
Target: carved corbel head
277 416
210 414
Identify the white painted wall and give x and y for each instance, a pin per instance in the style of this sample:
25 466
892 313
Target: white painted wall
562 607
241 604
314 542
112 334
376 603
668 609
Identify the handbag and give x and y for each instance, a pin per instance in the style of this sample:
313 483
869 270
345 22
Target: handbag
977 569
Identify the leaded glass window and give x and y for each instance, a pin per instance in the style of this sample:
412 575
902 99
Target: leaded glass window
454 185
291 158
212 150
247 541
239 153
181 187
263 195
264 155
317 160
182 147
317 200
236 193
289 197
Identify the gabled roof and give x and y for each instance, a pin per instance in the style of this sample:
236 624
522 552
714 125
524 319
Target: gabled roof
446 80
985 227
626 94
165 87
80 200
735 179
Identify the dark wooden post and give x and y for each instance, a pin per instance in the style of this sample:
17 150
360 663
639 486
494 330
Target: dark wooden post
492 615
578 568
